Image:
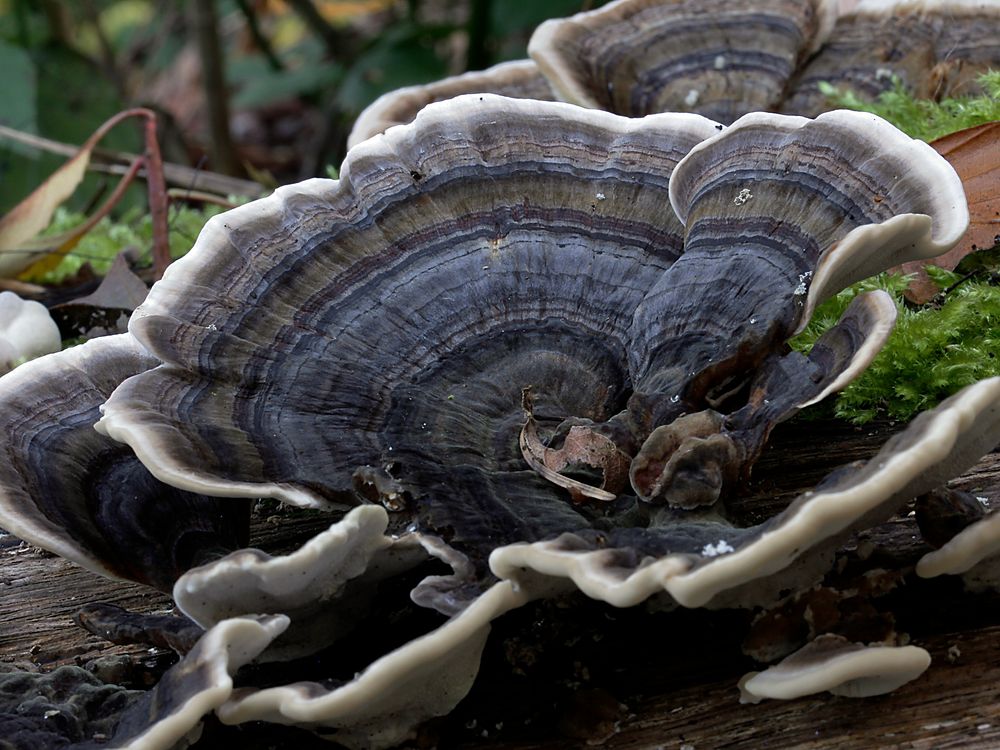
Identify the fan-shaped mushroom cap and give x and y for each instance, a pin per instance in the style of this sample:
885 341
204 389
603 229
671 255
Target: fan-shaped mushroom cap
519 79
381 706
780 213
492 244
832 663
717 58
171 713
934 47
85 497
323 587
26 331
847 190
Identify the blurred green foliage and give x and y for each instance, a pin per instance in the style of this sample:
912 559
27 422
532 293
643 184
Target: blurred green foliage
404 55
131 230
67 67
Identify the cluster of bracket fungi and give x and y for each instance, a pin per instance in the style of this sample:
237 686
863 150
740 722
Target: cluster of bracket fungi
492 344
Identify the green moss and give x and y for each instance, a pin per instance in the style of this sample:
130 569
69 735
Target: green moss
109 237
923 118
952 342
934 351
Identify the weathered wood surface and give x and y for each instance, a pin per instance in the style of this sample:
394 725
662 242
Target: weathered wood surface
40 593
622 678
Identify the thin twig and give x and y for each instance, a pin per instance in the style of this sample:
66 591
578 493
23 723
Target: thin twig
155 184
195 195
107 51
478 55
258 36
60 22
22 288
312 18
157 189
71 236
116 162
112 201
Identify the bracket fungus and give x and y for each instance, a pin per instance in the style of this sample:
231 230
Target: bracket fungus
324 588
935 48
726 58
87 498
718 58
71 708
974 550
834 664
471 335
868 47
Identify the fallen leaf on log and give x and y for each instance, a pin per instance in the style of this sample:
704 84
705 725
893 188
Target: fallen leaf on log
975 155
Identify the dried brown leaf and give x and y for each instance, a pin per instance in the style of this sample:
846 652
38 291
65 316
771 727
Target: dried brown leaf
30 217
582 446
22 248
975 155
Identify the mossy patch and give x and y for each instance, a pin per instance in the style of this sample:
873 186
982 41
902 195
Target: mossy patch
924 118
934 351
134 229
954 340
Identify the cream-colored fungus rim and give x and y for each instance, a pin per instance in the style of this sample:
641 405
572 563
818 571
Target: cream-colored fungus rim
975 543
899 239
854 671
823 515
225 648
373 118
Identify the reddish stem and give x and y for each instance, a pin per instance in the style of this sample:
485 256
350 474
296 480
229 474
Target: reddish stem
155 181
157 187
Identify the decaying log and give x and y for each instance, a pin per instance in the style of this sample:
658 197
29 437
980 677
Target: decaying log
558 676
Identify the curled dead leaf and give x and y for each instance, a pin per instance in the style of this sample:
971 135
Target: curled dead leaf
106 311
22 247
582 447
975 155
